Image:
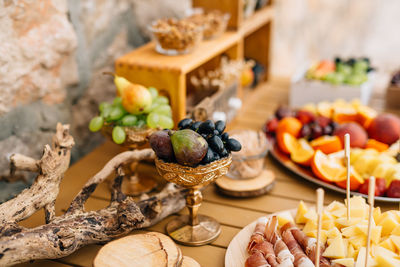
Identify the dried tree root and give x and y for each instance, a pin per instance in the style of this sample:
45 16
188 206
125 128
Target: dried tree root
62 235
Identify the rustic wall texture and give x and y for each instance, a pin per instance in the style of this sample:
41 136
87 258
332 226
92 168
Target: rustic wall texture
53 53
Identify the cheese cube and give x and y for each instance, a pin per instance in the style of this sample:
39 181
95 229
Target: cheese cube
358 241
310 227
388 223
311 215
336 249
396 231
284 218
343 222
351 252
396 242
333 232
328 221
388 244
377 214
301 210
347 262
382 261
360 262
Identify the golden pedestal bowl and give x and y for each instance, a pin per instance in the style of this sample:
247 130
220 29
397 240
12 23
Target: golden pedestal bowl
135 183
193 229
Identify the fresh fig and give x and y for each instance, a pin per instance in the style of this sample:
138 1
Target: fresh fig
160 142
189 147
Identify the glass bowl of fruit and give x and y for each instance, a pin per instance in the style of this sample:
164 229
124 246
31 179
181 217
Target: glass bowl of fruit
193 157
249 161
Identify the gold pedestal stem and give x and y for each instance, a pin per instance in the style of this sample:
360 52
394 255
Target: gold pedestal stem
193 202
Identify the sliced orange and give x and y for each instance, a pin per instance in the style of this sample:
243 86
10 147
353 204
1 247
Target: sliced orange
366 115
345 114
286 142
289 125
327 144
325 168
355 179
379 146
302 153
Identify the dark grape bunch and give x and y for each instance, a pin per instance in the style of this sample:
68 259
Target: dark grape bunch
219 143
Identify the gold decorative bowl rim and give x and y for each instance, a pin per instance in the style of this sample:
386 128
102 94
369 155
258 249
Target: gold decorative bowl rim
135 137
193 176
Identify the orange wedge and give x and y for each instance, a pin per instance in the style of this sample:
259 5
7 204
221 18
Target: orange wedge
302 152
379 146
325 168
289 125
345 114
327 144
286 142
355 179
366 115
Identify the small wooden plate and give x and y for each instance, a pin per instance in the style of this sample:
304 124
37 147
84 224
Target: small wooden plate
253 187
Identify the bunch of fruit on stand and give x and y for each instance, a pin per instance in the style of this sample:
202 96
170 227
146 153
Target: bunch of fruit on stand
195 143
352 71
313 136
135 106
344 240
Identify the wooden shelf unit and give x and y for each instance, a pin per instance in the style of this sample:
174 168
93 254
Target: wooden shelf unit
250 39
145 66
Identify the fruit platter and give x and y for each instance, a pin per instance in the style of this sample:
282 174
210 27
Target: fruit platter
288 238
310 142
329 79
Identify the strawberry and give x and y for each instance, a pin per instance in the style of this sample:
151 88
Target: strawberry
394 189
380 187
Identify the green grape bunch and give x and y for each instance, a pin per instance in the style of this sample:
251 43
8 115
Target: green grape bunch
157 116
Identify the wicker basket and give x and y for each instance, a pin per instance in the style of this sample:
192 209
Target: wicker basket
190 177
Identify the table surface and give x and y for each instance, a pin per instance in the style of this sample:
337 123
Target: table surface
287 192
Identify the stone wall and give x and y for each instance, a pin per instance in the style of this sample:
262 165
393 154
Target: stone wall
52 56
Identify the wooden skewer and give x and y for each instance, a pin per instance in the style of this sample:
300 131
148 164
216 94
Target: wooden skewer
347 157
371 197
320 205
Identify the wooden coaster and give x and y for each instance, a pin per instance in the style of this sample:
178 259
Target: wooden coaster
189 262
247 187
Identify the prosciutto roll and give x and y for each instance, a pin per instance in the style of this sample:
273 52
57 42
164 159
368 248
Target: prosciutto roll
267 249
300 258
282 252
258 234
309 245
257 259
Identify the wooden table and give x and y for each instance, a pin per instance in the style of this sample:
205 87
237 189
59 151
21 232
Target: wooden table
233 214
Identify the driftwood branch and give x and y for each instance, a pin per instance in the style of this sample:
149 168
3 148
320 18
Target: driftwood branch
62 235
44 191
